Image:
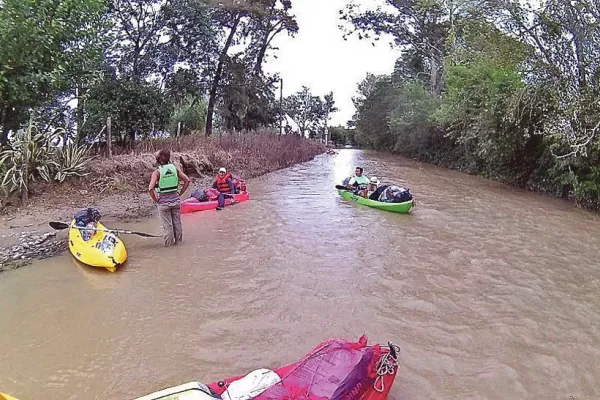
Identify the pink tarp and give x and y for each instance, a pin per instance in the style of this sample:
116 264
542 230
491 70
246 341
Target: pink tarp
334 370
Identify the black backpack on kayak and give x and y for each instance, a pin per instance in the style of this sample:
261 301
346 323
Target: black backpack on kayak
402 196
395 194
84 217
375 195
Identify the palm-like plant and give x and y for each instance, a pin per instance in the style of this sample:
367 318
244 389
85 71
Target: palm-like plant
33 157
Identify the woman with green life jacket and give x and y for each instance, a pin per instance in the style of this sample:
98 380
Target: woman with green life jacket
164 191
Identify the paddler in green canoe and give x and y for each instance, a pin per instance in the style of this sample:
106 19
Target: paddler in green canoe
357 180
372 191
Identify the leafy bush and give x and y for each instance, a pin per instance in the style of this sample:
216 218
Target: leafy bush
32 157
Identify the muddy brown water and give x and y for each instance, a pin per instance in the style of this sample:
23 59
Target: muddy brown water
491 292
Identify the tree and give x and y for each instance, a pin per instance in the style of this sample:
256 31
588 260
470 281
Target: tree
329 108
184 84
45 46
566 40
270 21
190 113
229 15
307 111
193 41
240 20
248 101
419 27
137 108
139 25
340 135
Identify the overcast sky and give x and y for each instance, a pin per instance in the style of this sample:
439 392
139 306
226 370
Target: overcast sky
318 57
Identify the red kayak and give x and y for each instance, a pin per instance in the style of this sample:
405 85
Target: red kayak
334 370
193 205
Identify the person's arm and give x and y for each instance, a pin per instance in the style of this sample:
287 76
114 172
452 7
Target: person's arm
231 187
186 181
351 183
153 180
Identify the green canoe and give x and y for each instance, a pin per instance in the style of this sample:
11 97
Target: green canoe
401 208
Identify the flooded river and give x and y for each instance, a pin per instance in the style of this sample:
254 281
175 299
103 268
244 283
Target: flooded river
491 292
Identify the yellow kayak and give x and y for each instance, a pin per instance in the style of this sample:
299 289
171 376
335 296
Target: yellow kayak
4 396
102 249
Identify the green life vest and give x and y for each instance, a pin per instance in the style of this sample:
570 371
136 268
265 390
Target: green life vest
168 181
361 180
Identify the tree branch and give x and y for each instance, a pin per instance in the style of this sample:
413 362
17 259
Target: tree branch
580 147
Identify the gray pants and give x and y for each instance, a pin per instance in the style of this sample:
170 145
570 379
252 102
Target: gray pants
170 217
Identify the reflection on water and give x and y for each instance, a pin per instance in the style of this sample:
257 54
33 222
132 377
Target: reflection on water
343 167
490 292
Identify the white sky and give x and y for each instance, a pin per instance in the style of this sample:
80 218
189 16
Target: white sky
319 58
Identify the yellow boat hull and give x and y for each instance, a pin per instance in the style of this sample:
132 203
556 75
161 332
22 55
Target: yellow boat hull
102 250
4 396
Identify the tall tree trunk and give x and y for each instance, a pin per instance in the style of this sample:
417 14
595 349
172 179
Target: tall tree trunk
215 83
261 55
267 29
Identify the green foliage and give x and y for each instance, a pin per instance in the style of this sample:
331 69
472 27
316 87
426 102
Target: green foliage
248 100
586 189
122 59
71 160
147 65
340 135
309 112
136 108
45 47
191 113
32 156
494 88
481 80
29 159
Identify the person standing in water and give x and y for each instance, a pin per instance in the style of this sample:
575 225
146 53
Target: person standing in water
164 191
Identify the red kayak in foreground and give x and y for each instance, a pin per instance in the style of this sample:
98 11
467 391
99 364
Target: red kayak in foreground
192 205
334 370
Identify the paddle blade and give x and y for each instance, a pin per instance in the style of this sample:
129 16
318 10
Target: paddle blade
58 225
135 233
340 187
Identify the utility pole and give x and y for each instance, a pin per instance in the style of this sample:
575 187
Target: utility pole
280 107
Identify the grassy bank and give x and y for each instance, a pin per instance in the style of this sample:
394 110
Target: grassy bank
118 186
245 155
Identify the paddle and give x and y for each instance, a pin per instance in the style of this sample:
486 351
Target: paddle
61 225
340 187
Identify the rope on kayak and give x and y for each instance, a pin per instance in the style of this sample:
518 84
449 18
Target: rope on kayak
386 366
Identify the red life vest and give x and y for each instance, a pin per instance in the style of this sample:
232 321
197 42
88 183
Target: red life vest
222 185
